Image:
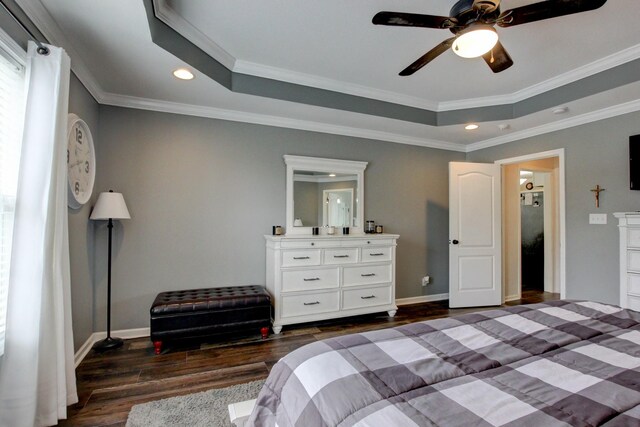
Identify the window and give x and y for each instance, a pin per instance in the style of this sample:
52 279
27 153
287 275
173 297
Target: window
11 119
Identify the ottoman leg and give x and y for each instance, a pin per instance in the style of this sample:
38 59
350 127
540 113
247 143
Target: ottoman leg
158 346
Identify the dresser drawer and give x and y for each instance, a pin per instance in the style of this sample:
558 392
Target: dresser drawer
633 260
366 297
299 244
369 242
301 258
633 284
633 303
341 256
374 254
367 275
308 279
633 237
312 303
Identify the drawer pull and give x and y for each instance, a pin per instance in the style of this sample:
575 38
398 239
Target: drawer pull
377 254
311 303
301 257
368 275
341 256
313 279
369 297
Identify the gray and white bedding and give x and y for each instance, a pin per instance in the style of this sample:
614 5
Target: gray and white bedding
557 363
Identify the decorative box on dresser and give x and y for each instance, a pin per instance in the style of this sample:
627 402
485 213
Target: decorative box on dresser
629 226
314 278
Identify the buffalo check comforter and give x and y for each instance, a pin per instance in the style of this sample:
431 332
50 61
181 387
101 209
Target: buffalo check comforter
560 363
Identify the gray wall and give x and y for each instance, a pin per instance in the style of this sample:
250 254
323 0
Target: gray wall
190 228
595 153
81 229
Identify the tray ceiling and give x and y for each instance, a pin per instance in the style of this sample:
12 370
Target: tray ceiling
322 65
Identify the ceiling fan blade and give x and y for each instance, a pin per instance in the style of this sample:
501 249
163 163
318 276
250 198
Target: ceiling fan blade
545 10
497 58
428 57
412 20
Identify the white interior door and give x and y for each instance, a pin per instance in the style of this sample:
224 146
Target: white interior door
475 247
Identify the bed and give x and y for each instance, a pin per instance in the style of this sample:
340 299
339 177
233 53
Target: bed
556 363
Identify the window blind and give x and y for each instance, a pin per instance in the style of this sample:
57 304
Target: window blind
11 120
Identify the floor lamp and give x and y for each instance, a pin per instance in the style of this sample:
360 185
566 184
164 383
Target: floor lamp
109 206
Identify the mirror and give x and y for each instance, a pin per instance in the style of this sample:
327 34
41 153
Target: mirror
324 192
322 199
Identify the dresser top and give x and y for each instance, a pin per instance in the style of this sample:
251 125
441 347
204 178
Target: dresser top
624 214
331 237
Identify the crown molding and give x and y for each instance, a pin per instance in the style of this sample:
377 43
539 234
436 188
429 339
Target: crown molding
593 116
598 66
48 27
45 23
259 70
169 16
268 120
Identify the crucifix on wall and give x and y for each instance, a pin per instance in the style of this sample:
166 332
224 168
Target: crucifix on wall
597 192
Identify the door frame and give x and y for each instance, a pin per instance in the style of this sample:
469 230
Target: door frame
559 153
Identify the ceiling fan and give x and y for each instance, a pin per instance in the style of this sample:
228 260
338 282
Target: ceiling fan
473 21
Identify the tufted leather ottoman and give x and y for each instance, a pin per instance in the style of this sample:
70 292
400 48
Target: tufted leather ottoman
199 313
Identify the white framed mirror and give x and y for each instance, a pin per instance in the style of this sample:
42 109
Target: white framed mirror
324 192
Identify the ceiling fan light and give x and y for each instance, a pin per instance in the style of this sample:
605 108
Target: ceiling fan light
475 41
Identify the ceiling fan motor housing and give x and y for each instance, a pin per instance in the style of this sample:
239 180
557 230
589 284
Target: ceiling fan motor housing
467 12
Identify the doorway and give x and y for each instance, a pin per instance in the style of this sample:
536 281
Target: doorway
533 224
534 230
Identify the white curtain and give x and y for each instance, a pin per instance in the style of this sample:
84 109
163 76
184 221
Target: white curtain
37 376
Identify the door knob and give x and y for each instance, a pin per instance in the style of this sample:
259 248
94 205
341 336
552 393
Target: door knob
455 242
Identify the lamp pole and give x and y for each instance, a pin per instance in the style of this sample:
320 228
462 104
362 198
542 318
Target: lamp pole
108 343
109 206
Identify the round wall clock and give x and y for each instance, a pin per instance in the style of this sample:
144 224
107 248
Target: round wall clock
81 162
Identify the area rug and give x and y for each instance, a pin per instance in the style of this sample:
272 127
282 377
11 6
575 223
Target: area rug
207 408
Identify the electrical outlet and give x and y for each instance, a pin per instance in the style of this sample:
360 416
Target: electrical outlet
426 280
597 218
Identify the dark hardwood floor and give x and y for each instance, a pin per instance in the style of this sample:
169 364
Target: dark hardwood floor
110 383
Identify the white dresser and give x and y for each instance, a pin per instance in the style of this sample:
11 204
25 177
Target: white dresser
323 277
629 226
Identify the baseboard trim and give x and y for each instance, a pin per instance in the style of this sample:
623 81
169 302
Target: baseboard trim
97 336
145 332
421 299
511 298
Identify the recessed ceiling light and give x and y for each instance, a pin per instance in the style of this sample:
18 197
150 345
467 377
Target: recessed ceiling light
332 174
561 110
471 126
183 74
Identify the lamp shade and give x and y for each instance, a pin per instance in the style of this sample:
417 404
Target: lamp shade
110 205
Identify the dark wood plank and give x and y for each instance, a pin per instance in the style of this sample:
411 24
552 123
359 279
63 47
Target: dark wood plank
109 384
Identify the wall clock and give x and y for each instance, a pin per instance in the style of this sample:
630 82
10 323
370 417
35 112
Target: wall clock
81 162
